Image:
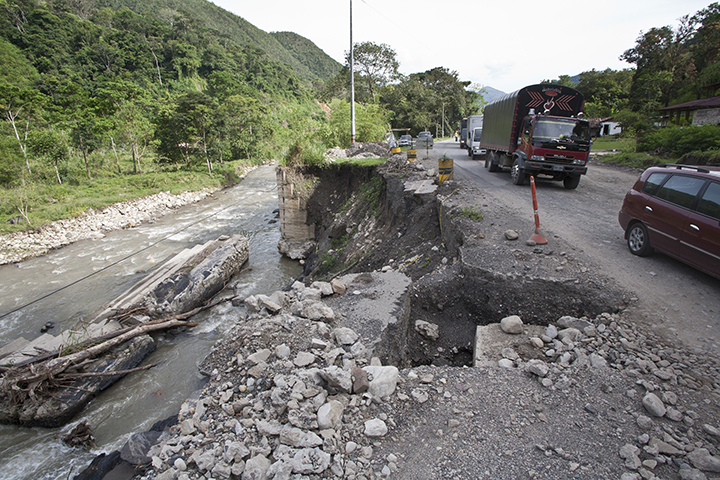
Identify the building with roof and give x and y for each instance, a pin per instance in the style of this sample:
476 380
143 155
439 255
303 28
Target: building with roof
705 111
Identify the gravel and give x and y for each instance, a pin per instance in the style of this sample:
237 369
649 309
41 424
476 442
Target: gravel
286 399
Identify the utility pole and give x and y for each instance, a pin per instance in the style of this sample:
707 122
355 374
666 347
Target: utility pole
442 121
352 83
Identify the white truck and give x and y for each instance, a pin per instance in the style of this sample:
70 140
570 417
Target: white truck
474 129
474 150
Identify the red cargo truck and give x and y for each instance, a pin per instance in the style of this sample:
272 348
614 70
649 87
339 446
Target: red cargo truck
538 130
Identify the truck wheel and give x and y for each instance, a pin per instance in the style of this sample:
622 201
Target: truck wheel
493 166
571 182
517 173
470 152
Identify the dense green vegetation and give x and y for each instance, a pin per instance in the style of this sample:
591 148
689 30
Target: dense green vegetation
425 101
673 66
105 100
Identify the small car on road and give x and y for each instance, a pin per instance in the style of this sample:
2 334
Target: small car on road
405 141
675 209
425 137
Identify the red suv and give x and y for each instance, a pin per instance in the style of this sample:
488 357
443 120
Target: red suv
675 209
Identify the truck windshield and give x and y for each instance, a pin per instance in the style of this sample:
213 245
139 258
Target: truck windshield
555 129
476 134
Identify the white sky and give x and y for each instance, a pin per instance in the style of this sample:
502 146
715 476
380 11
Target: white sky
505 44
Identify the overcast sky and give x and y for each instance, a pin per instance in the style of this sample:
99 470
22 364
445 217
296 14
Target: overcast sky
505 44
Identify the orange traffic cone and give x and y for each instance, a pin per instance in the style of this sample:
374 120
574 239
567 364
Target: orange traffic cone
536 237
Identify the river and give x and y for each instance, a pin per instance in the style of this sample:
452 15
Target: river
136 402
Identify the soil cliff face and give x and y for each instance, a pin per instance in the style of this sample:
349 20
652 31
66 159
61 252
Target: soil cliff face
364 219
464 270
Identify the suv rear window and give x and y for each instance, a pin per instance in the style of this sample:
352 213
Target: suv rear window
710 201
681 190
652 182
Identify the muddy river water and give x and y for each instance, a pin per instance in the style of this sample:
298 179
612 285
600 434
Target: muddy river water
142 398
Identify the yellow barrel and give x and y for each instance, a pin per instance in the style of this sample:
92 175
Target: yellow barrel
396 150
445 169
412 154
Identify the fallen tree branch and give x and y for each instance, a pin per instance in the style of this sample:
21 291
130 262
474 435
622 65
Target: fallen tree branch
111 335
57 365
107 374
36 376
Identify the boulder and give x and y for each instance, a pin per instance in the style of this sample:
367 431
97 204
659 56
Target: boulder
512 324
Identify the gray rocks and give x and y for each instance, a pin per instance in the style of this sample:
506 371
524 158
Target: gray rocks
653 405
256 468
537 367
321 406
703 460
383 380
345 336
630 454
428 330
298 438
330 414
137 447
337 378
512 324
307 461
597 361
375 428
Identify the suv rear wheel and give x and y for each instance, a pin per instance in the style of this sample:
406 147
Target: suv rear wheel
638 240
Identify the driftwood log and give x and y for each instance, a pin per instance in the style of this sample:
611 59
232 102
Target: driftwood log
49 389
49 392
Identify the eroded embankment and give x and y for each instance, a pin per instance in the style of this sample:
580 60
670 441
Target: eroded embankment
464 272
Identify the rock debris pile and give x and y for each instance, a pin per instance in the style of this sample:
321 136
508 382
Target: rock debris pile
358 150
295 395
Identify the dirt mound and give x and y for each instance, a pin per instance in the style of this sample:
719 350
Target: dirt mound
359 150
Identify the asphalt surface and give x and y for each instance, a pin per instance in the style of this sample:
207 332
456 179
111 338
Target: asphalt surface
675 300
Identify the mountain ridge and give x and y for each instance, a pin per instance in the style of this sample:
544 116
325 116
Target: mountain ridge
239 30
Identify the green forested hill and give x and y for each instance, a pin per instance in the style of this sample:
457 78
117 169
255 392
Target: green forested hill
307 60
308 54
96 90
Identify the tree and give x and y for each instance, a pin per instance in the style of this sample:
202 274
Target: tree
19 106
186 128
371 123
244 126
134 128
705 44
375 64
50 146
418 102
185 59
606 92
664 66
86 134
562 80
125 108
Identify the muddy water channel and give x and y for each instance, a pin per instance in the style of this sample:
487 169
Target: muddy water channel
141 399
